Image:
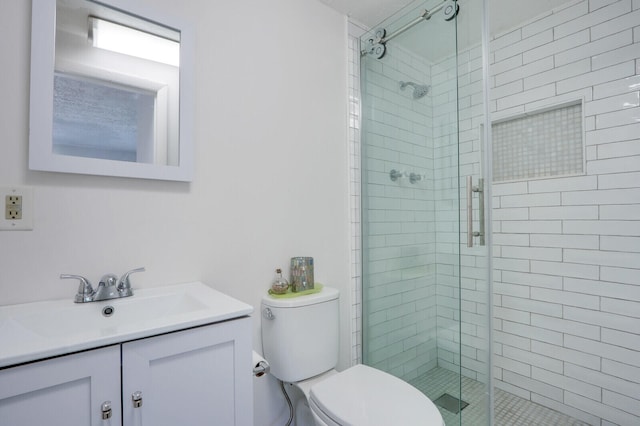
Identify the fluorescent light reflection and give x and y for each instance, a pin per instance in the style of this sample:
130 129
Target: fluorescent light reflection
118 38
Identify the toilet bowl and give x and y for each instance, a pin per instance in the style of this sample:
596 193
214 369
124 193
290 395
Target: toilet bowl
300 341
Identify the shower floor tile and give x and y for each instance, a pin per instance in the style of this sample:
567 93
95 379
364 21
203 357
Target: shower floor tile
437 381
510 410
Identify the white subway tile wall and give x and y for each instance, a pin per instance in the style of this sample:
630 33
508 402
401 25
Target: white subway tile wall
567 249
413 240
461 281
354 111
566 267
398 238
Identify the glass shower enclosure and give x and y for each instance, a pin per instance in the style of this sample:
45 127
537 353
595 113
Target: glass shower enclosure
425 264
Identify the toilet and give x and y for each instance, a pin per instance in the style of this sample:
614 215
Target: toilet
300 341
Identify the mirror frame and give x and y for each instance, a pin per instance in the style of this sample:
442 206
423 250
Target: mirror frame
41 156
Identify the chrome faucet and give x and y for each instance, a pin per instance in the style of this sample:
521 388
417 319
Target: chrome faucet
109 287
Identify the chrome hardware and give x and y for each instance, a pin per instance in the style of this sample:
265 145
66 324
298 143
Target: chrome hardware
124 285
480 190
395 175
374 45
107 311
106 288
267 313
424 16
106 410
109 287
470 190
261 368
85 290
136 397
414 177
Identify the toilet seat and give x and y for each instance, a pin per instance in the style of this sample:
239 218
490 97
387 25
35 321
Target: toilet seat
362 395
306 385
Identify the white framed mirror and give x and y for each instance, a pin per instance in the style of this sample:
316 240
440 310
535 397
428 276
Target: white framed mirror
102 107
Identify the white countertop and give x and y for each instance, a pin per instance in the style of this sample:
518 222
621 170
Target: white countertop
37 330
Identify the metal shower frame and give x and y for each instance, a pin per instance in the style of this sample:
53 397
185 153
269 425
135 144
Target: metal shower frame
383 38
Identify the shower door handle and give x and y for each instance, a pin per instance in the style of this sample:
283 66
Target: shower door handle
470 190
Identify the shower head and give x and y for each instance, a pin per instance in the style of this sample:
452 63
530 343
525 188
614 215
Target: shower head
419 90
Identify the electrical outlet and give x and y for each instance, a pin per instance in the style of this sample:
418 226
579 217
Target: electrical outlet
13 207
18 208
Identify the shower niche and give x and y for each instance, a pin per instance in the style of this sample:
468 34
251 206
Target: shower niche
543 143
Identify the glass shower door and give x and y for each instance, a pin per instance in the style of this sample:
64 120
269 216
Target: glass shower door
425 292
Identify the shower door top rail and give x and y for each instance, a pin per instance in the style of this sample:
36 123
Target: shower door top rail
424 16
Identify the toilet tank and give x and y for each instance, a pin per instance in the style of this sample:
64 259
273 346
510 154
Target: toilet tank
300 334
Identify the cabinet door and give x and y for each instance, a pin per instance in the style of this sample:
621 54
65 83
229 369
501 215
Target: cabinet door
64 391
195 377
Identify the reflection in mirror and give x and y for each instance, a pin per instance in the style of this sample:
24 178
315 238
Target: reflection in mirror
96 119
116 89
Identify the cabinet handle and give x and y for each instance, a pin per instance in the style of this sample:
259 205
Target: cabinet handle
106 410
136 397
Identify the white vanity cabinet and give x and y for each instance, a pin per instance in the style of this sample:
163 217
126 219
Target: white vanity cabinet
194 377
198 376
63 391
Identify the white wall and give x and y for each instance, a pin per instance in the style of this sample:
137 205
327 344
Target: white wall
271 176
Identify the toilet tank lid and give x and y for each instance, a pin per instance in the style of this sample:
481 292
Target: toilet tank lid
325 295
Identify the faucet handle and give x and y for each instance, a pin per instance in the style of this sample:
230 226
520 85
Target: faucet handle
124 285
85 290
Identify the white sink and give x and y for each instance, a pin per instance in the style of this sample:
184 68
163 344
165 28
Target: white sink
41 329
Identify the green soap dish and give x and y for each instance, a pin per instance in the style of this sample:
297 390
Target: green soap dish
288 294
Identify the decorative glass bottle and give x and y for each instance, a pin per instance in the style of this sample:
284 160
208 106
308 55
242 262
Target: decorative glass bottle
280 285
